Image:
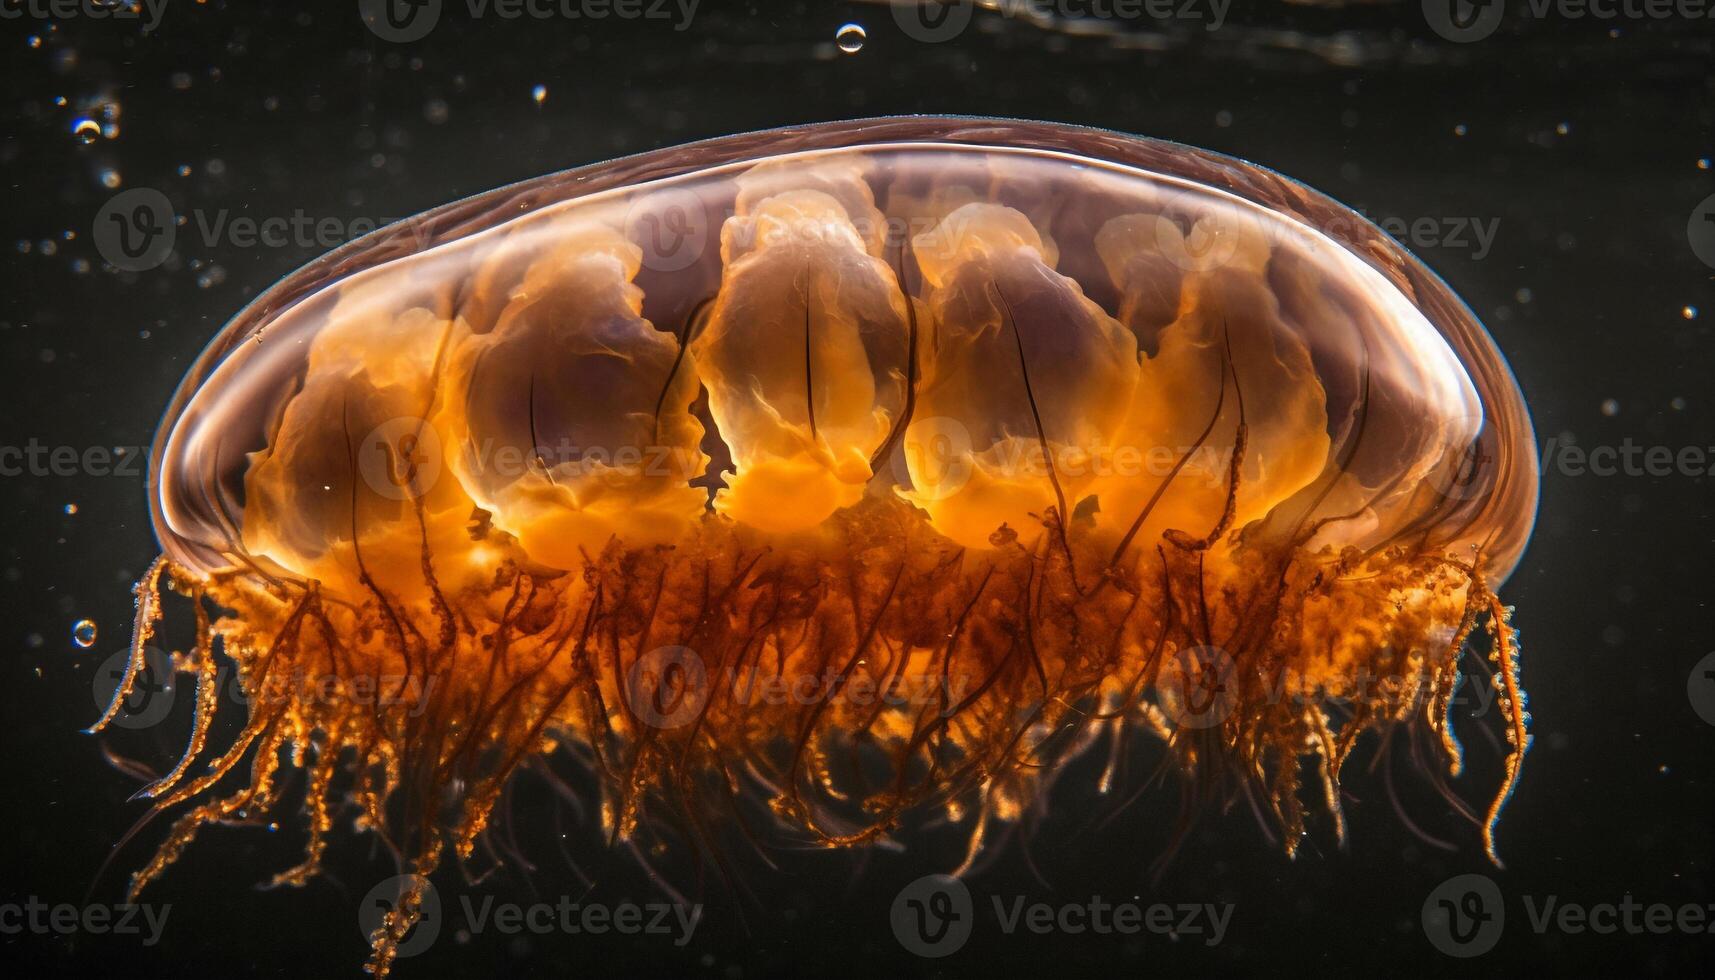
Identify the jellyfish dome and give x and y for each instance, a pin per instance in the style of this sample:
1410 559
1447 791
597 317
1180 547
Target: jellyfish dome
851 471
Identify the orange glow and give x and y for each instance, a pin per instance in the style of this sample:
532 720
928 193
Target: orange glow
952 452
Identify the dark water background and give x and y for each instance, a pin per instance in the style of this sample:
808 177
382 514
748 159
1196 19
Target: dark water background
1580 141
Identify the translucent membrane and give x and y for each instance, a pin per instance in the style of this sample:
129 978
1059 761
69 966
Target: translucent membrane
1061 427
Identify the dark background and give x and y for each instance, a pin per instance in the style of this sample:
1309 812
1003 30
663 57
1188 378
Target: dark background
1582 139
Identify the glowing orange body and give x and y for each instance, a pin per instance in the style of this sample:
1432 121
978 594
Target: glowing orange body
937 448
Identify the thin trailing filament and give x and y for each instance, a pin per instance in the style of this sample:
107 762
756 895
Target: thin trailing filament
1505 657
147 593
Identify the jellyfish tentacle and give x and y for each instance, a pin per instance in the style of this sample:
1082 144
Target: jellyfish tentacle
320 820
1172 474
1505 656
148 597
402 916
1441 706
1061 514
207 693
694 322
1329 769
809 366
1235 468
912 365
267 736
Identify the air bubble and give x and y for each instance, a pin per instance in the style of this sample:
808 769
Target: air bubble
83 633
850 38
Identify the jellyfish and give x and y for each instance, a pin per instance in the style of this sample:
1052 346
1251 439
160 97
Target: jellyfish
844 473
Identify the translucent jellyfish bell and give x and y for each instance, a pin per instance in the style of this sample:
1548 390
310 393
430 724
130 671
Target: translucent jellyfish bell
1350 353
